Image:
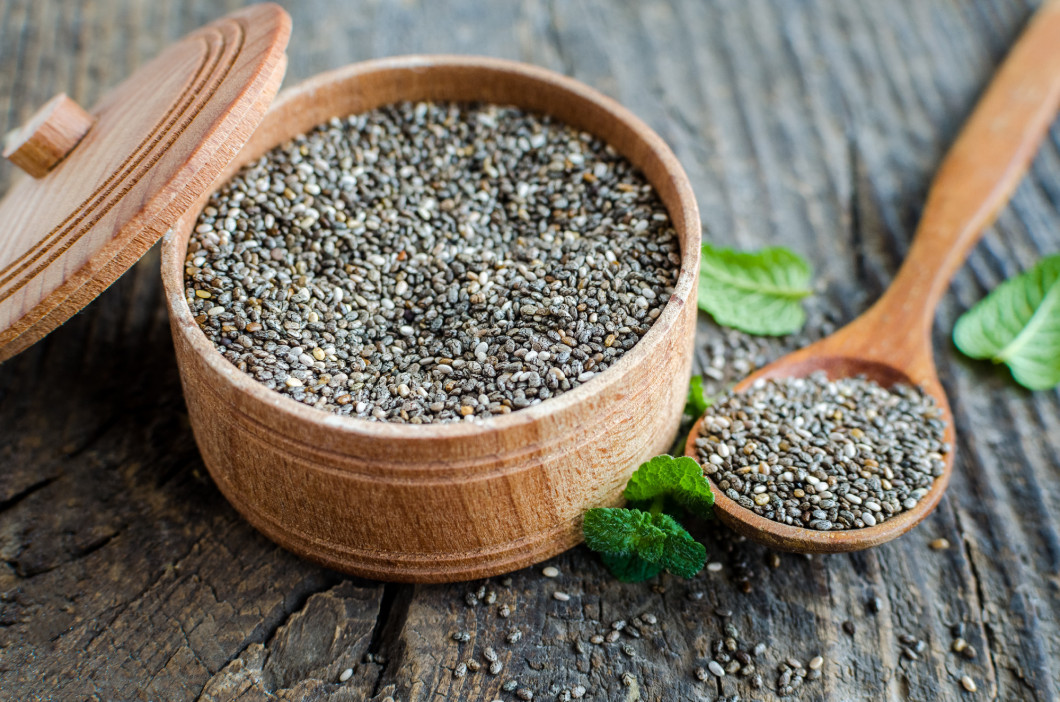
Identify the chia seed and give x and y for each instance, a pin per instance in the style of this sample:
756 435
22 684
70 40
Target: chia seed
429 262
826 455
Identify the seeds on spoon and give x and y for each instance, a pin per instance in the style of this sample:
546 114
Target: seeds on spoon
827 455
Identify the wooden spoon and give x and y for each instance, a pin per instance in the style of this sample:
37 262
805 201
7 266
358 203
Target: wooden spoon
891 342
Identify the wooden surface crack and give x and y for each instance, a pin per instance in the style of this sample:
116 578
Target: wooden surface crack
13 501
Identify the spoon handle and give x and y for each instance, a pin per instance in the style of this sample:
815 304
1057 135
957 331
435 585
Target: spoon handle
978 175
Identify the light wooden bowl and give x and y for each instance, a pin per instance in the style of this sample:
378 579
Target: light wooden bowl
433 503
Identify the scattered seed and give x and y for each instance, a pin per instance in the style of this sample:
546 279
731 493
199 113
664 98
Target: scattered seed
550 572
940 544
968 684
561 596
346 675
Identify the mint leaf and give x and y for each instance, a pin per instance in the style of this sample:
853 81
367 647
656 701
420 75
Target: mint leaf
683 555
630 569
626 531
678 480
639 543
1018 324
757 292
697 403
655 538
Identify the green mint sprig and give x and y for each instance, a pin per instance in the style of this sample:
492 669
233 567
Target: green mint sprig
671 484
758 292
1018 324
640 541
697 403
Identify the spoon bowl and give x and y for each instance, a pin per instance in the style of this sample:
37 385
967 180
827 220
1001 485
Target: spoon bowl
891 342
826 355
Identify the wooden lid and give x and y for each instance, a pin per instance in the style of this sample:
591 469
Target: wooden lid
108 183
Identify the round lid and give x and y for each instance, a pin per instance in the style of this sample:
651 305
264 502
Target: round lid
107 183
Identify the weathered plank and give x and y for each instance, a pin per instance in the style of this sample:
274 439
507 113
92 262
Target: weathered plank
124 574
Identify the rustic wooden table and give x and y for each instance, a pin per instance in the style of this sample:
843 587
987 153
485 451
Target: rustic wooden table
125 575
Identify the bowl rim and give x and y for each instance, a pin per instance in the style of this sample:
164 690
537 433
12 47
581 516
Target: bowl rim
652 343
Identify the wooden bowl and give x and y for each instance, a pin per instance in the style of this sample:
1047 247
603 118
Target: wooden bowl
443 502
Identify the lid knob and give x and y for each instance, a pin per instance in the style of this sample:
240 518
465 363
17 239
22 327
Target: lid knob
49 135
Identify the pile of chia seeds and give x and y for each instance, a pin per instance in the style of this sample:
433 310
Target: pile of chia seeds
822 454
431 262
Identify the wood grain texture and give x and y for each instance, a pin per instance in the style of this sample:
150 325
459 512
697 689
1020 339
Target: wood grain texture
159 140
407 502
817 125
891 342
